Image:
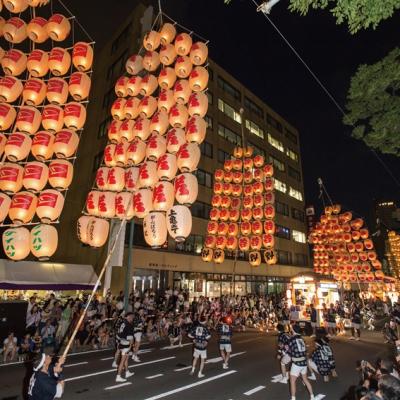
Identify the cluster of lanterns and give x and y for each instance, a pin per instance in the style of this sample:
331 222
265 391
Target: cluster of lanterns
393 253
342 247
153 142
43 96
243 212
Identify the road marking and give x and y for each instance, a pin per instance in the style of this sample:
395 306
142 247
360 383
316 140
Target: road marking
175 346
74 378
319 396
182 388
255 390
210 361
154 376
182 369
276 377
74 365
140 352
118 386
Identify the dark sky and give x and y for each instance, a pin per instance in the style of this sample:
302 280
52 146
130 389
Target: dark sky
245 44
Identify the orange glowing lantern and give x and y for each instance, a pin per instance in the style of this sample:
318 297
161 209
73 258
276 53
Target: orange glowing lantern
141 128
101 178
198 104
28 120
7 116
35 176
58 27
179 222
166 167
57 91
188 157
244 243
50 205
11 177
37 63
59 61
36 30
166 100
131 108
159 122
198 79
147 106
178 116
82 56
183 44
34 92
167 78
60 174
65 143
14 62
151 61
134 64
155 229
207 254
22 208
10 89
52 118
167 33
116 179
131 179
79 86
74 115
245 228
198 53
156 147
17 146
42 145
14 30
136 152
269 227
196 129
120 86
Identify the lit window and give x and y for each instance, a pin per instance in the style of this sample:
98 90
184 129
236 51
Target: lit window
293 155
279 185
254 129
275 143
229 111
279 165
229 135
295 193
282 232
298 236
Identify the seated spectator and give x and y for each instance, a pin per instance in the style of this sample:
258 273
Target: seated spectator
388 388
10 347
26 347
48 334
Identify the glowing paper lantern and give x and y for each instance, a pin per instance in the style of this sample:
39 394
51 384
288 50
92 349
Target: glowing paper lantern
183 44
155 229
34 92
188 157
244 243
198 53
156 147
219 256
97 232
148 174
16 243
151 61
166 100
16 6
38 63
167 33
207 254
82 56
186 189
101 178
166 78
148 85
182 91
198 79
44 241
5 203
221 242
133 85
163 196
52 118
59 61
74 115
109 153
50 205
65 143
255 258
179 222
131 179
159 122
57 91
120 87
58 27
22 208
11 177
36 30
175 139
126 131
136 152
92 202
79 86
143 202
232 243
270 257
116 179
124 205
147 106
14 62
269 227
178 116
183 67
28 120
82 226
118 109
196 129
268 240
131 108
17 146
42 145
10 88
106 204
60 174
35 176
198 104
14 30
120 154
134 64
7 116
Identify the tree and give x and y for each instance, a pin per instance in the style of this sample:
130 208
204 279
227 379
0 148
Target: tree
358 14
373 104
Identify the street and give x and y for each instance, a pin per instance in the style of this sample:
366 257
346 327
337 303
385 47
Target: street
164 372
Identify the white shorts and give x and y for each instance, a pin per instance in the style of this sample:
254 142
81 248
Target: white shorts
227 347
138 336
285 360
200 353
312 365
125 349
355 326
59 391
297 370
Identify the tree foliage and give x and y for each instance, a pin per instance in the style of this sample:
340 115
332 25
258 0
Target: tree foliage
373 104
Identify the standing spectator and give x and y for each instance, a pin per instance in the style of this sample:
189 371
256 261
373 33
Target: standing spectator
9 347
66 317
355 322
32 320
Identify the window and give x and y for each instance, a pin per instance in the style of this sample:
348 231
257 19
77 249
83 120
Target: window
253 107
298 236
273 122
275 143
209 121
209 97
279 165
282 232
223 155
206 149
109 98
282 208
97 161
279 185
229 111
120 39
103 128
291 136
229 135
292 154
284 257
301 259
192 244
204 178
200 210
228 88
297 214
257 150
117 67
294 173
254 129
295 193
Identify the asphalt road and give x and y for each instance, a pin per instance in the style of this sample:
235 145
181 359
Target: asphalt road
164 372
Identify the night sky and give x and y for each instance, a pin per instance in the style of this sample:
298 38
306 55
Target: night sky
245 44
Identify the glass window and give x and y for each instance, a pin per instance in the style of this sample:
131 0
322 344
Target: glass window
209 121
257 150
206 149
117 67
97 161
109 98
298 236
294 173
297 214
120 39
103 128
292 154
223 155
229 89
279 165
282 208
279 185
253 107
200 210
295 193
229 135
291 136
192 244
273 122
229 111
301 259
284 257
282 232
204 178
275 143
209 97
254 129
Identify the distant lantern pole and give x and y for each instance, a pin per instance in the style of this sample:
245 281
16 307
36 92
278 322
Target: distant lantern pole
128 277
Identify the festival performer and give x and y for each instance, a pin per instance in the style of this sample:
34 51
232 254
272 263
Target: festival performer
200 335
138 324
125 334
117 325
175 333
355 322
322 360
283 352
225 331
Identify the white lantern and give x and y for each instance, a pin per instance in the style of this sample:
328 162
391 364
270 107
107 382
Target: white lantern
42 145
155 229
92 202
97 232
188 157
5 203
11 177
148 174
50 205
82 56
28 120
52 118
109 153
65 143
179 222
198 104
79 86
126 133
136 152
124 205
175 139
35 176
141 128
57 91
120 154
133 85
16 243
101 178
196 129
107 204
82 228
131 179
7 116
156 147
131 108
22 208
60 174
178 116
18 146
143 202
44 241
167 167
117 109
113 131
163 196
186 189
116 179
74 115
159 122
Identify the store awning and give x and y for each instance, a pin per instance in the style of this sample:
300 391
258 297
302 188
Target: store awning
45 276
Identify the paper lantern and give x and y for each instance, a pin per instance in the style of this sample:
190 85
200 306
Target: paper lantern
227 188
248 190
151 40
167 57
269 227
237 190
233 229
131 179
74 115
59 61
269 211
163 196
175 139
92 202
79 86
258 161
248 177
222 229
269 184
376 264
134 64
7 116
10 89
147 106
131 108
178 116
120 154
97 232
237 176
124 205
246 214
18 146
109 153
151 61
198 79
5 203
82 56
143 202
120 87
268 170
155 229
198 104
248 151
224 215
221 242
15 6
16 243
136 152
183 44
166 100
219 256
207 254
52 118
22 208
38 63
248 164
255 258
258 200
101 178
35 176
245 228
216 200
60 174
257 227
106 204
183 67
28 120
34 92
167 33
133 85
159 122
237 165
156 147
188 157
57 91
58 27
14 30
42 145
196 130
214 214
258 175
116 179
182 91
244 243
236 204
14 62
210 241
126 131
351 247
238 152
43 241
364 234
148 85
65 143
212 227
36 30
50 205
355 235
269 197
82 228
357 224
167 78
148 174
118 109
179 222
198 53
248 202
368 244
268 240
371 255
228 164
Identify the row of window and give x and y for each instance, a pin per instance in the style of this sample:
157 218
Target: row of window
229 111
283 209
285 233
283 187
